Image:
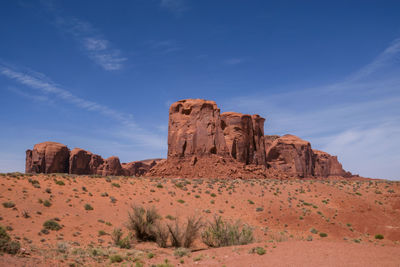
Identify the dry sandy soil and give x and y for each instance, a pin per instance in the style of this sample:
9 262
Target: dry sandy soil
288 218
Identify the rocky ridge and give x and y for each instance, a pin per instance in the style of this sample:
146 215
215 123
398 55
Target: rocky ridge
52 157
202 142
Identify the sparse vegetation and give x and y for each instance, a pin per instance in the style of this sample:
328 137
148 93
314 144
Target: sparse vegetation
8 204
51 225
379 236
220 233
88 207
184 236
116 258
6 244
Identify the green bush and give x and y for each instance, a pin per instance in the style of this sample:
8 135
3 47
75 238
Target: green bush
6 244
379 236
88 207
59 182
51 225
323 234
142 222
184 235
8 204
258 250
116 258
47 203
220 233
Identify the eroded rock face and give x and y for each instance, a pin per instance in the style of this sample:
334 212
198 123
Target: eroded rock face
47 157
291 155
259 145
239 137
84 162
79 161
195 129
327 165
111 166
139 168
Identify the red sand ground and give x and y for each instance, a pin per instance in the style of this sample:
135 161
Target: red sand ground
281 212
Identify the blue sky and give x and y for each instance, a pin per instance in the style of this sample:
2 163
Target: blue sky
101 75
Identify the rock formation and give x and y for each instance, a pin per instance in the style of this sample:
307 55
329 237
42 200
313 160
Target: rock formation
258 131
244 137
239 137
327 165
51 157
79 161
111 166
195 129
202 143
291 155
47 157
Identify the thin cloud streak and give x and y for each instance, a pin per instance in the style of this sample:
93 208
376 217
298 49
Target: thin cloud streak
97 48
128 130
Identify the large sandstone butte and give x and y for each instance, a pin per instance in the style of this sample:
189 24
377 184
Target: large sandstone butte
194 129
203 143
47 157
52 157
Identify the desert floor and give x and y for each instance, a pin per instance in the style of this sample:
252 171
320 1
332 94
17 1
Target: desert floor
289 218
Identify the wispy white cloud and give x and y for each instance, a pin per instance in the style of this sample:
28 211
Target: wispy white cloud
92 42
42 83
357 118
44 87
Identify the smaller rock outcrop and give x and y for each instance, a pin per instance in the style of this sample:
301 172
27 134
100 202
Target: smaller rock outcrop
51 157
326 165
291 155
111 166
47 157
79 161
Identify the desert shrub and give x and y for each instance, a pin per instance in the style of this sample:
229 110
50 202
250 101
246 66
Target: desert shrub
116 185
102 232
323 234
161 232
62 247
59 182
379 236
258 250
165 264
51 225
47 203
8 204
116 236
142 222
88 207
184 235
180 252
220 233
116 258
6 244
126 242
